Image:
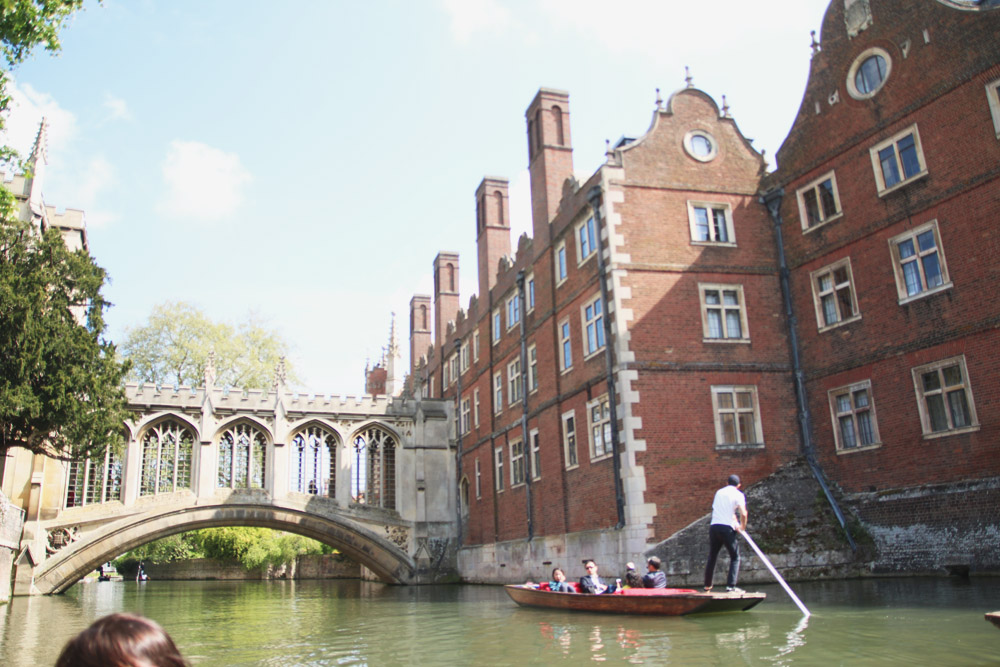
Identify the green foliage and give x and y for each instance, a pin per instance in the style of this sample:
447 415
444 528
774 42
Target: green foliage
24 24
168 549
173 347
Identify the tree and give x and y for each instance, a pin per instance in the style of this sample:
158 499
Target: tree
174 345
61 388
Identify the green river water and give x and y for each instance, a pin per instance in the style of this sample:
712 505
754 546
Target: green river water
864 622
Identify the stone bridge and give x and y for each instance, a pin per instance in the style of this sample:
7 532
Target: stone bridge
373 476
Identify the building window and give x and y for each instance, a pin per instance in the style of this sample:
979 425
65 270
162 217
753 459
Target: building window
593 327
536 455
711 223
96 479
868 73
446 373
497 325
833 295
561 263
819 202
464 354
737 417
479 481
569 439
586 237
532 368
314 462
498 468
463 497
853 413
497 393
513 310
530 289
466 421
475 407
516 463
993 97
565 346
898 160
242 458
700 145
167 451
514 381
918 262
723 313
475 345
373 470
599 416
944 397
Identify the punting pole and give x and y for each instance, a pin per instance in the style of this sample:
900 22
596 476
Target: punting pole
781 580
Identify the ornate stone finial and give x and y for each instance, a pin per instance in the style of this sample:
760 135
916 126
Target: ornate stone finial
280 374
41 148
210 370
659 100
725 108
815 44
393 343
607 149
688 79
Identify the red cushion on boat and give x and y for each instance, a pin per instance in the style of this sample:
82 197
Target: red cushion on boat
576 586
544 586
659 591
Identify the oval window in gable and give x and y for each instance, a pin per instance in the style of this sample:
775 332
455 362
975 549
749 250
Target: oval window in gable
700 145
868 73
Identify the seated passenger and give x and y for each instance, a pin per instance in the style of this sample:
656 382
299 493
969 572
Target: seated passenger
654 578
632 578
123 640
593 584
559 583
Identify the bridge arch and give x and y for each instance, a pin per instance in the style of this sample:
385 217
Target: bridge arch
64 568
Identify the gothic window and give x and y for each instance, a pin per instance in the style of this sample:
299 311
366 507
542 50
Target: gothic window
167 448
97 479
373 474
242 458
314 462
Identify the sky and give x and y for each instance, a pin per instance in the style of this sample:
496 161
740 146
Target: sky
306 160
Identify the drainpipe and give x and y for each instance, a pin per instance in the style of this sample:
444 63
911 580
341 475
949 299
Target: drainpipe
529 466
458 444
594 198
772 200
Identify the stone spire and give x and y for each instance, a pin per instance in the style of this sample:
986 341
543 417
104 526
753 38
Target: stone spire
37 162
210 371
280 375
393 363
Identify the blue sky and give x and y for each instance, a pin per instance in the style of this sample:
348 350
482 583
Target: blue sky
306 160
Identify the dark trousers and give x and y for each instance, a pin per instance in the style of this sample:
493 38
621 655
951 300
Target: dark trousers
722 536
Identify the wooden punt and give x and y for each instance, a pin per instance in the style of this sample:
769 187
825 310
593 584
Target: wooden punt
655 602
993 617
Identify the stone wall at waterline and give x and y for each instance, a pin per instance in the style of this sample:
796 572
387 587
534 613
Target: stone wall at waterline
305 567
11 522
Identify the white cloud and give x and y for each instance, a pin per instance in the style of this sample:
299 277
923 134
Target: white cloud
203 183
85 192
117 108
27 108
469 17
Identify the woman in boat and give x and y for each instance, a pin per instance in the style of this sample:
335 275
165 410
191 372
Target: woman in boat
559 583
632 578
122 639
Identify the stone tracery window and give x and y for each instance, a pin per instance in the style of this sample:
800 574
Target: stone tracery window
242 457
373 468
314 462
97 479
167 449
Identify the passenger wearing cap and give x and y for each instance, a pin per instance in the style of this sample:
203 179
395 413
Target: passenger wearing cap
729 517
654 578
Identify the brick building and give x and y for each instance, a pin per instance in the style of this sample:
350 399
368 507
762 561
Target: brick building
874 360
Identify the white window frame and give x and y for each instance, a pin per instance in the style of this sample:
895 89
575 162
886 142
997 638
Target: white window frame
562 270
529 293
565 332
498 469
592 329
718 412
814 187
475 407
518 463
965 386
742 306
497 393
818 295
710 205
497 325
535 455
893 141
993 97
897 262
466 416
464 356
851 391
479 480
603 426
475 346
586 240
445 373
571 454
532 368
514 381
513 310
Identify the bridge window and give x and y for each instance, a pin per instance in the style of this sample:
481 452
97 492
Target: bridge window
314 468
167 448
97 479
242 458
373 478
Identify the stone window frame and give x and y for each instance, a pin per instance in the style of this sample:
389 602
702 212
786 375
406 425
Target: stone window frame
599 428
718 412
529 293
498 392
465 422
497 325
744 337
587 241
851 390
518 463
512 304
897 263
514 381
475 346
592 344
498 469
565 334
306 445
862 58
532 356
562 268
475 407
689 145
727 209
993 98
535 454
814 186
818 295
571 455
893 141
965 386
479 480
464 355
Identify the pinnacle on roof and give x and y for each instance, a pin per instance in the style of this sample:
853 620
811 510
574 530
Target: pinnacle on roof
41 147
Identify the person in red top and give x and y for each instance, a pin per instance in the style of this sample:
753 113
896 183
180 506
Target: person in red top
729 517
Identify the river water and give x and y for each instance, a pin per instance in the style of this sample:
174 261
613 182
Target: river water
863 622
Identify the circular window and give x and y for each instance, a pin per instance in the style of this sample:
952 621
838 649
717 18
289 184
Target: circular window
700 145
868 73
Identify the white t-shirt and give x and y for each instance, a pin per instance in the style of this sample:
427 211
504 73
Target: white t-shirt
727 499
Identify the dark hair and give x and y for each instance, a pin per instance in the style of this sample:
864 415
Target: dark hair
557 569
734 480
121 640
654 561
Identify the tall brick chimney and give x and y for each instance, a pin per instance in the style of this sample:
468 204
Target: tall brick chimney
420 330
492 230
445 294
550 158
